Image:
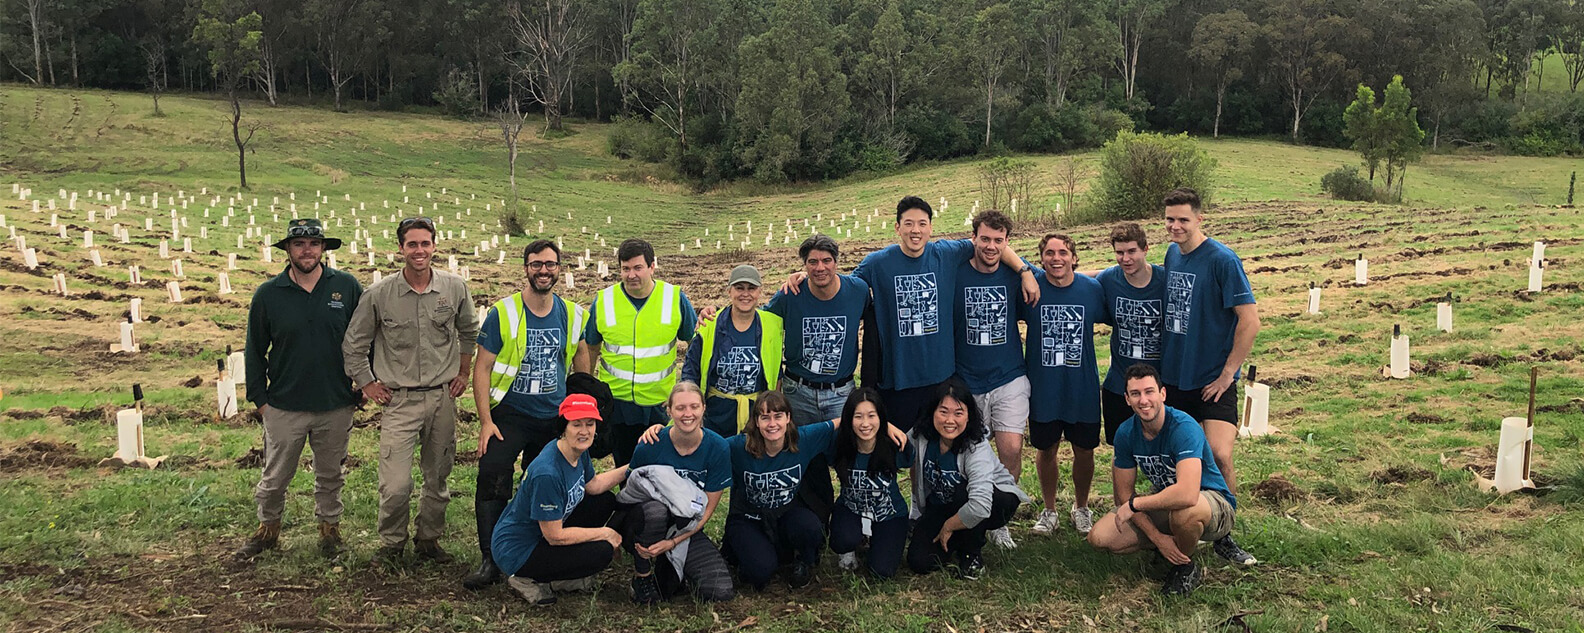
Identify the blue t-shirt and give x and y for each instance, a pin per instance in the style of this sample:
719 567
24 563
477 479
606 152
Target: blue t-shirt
736 368
822 336
551 489
1136 317
1180 438
940 470
771 482
910 294
684 333
540 385
1062 372
1202 288
709 465
989 349
874 497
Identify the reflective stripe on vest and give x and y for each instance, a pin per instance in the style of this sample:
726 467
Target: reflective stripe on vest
638 351
514 342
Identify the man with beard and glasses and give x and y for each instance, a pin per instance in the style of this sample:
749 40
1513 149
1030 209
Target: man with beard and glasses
410 347
529 343
295 377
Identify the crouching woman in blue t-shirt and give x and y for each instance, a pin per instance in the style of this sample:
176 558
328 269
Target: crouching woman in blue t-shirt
962 490
871 503
553 531
656 538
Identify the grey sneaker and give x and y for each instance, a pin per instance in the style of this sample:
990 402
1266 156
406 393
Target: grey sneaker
1047 523
1182 580
1083 519
848 561
1002 537
1226 548
576 585
538 594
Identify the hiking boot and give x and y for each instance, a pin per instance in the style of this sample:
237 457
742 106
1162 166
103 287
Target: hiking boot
1083 519
1002 537
538 594
487 574
430 549
645 590
1226 548
576 585
330 543
800 575
390 554
970 567
1182 580
267 537
1047 523
848 561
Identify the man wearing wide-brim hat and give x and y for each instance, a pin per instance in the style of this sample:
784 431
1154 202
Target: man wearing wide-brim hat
295 376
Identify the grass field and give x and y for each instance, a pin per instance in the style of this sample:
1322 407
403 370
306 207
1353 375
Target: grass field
1382 528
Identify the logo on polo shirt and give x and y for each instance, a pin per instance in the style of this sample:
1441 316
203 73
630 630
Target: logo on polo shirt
335 301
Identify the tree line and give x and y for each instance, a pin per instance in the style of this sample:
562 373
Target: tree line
784 90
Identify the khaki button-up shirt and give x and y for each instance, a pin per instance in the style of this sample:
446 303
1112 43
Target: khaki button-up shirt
417 339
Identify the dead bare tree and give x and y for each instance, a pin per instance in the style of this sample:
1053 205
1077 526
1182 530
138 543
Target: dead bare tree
1068 177
511 119
154 63
548 36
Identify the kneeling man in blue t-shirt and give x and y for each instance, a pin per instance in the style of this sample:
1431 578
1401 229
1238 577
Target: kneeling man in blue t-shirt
1188 501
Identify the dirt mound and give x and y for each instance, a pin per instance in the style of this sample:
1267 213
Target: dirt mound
195 381
1276 489
73 417
253 459
1416 417
1289 382
1401 474
38 454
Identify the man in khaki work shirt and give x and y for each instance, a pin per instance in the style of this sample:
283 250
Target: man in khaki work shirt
421 328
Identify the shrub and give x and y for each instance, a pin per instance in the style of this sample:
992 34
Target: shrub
637 139
936 134
1138 170
1346 183
1107 123
457 96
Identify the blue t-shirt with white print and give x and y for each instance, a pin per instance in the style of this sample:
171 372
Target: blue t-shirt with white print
1064 377
1180 438
911 299
1137 316
1202 288
540 385
821 343
709 465
989 348
874 496
771 482
941 471
551 489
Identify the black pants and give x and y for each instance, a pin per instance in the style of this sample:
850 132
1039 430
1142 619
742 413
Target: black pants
523 438
549 562
909 407
886 539
705 569
760 547
925 555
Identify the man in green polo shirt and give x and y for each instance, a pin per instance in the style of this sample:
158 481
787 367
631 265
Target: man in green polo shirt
295 377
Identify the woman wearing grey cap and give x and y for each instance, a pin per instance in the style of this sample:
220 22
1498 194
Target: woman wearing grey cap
736 356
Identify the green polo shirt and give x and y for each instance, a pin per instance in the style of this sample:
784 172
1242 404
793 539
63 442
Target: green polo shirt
294 343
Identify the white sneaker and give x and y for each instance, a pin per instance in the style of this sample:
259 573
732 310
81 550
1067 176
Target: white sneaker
1047 523
1002 537
536 593
848 561
1083 519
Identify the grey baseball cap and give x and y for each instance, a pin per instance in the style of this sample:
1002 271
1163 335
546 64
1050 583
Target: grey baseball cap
745 273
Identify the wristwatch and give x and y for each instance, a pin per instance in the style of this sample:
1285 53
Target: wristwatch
1025 269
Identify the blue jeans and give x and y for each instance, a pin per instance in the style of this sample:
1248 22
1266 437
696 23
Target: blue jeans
810 405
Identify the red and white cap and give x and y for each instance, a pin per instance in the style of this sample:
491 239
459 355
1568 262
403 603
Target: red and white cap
580 406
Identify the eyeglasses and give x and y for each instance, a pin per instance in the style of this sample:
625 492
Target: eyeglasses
543 265
420 222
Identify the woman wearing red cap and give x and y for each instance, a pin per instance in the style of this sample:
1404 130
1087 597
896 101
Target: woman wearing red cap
553 535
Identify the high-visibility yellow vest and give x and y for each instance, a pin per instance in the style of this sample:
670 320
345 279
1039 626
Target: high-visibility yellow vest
770 340
638 354
514 342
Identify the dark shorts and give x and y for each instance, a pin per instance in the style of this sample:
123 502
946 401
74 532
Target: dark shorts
1190 402
1044 435
1114 410
909 407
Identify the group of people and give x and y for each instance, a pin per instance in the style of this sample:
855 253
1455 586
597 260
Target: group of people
770 401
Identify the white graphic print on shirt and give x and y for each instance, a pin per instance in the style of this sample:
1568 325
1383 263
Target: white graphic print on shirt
1138 327
943 483
823 340
867 497
1061 335
985 309
738 371
1179 300
918 305
773 489
540 370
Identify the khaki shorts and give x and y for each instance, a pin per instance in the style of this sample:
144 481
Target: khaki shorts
1006 408
1220 523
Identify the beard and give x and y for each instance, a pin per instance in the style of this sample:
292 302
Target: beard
534 284
298 266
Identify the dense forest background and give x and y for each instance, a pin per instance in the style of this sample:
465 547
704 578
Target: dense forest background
783 90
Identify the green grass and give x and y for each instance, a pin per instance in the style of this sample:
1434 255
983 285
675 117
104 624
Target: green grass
85 548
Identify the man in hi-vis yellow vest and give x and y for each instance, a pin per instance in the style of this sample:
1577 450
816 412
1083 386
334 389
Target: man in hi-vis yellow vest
529 343
634 328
